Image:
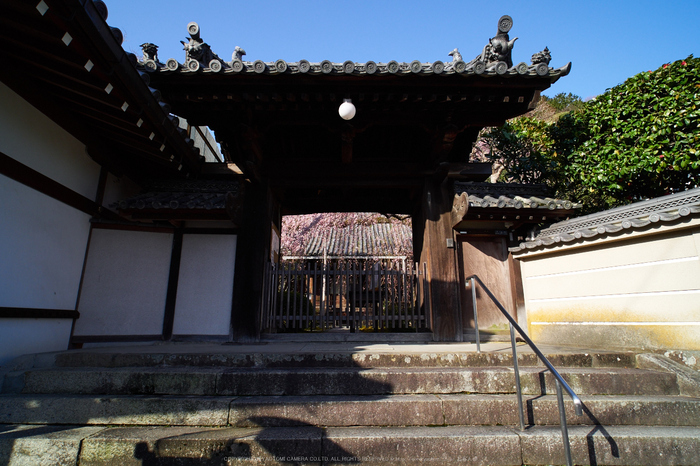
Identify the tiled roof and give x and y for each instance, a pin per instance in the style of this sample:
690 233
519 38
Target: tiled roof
369 68
179 195
634 216
339 234
511 195
381 239
493 60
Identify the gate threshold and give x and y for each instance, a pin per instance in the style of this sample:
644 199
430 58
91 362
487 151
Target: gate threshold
342 336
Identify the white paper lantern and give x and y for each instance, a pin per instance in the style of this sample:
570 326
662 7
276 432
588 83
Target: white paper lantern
347 110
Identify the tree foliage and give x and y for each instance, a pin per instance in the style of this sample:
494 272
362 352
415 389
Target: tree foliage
562 101
639 140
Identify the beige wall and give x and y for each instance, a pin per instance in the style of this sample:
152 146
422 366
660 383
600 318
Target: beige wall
636 291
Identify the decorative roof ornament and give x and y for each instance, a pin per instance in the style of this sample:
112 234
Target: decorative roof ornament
150 52
542 57
495 59
237 54
150 56
540 61
499 47
198 52
496 55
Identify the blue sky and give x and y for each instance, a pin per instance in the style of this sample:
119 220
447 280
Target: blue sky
606 41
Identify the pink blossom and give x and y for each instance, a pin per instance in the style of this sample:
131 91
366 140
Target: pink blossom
302 231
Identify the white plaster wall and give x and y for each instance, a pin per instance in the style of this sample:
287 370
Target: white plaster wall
205 285
42 248
31 138
42 241
125 283
23 336
643 292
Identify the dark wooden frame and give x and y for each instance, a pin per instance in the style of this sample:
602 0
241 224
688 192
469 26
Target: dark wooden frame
35 313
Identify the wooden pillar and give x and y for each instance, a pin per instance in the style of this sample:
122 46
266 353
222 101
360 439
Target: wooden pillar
252 252
438 252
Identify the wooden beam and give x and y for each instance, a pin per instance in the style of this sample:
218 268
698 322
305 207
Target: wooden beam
33 313
348 135
476 171
173 279
214 169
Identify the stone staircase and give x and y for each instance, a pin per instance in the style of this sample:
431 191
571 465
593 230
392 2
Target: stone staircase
229 405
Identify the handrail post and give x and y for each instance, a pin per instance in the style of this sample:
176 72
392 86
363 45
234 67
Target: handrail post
578 405
476 320
427 296
518 389
562 420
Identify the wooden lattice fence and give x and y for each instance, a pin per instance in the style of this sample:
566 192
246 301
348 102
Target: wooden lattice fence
358 295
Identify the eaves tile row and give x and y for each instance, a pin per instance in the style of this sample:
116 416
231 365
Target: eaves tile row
632 217
511 195
369 68
179 195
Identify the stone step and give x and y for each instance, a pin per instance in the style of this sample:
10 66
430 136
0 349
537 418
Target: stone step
334 381
360 359
474 445
343 411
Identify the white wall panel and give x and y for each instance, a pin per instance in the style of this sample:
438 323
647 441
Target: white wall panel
125 283
31 138
42 248
205 285
28 336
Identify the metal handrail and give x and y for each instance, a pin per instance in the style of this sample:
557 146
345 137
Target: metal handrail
560 382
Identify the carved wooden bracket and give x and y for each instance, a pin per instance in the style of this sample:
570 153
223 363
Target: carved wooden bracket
444 141
460 205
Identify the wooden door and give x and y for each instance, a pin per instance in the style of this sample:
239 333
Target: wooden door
487 257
